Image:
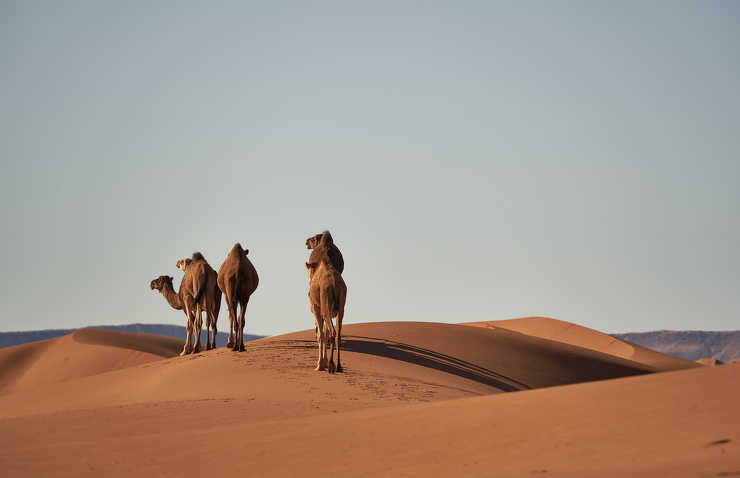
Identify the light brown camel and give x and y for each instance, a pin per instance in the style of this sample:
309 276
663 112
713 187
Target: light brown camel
328 294
237 279
210 299
334 254
192 290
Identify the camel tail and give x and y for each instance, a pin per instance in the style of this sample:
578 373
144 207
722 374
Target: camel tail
234 282
201 289
217 305
329 303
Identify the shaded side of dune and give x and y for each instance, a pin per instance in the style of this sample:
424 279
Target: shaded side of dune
578 335
14 361
151 344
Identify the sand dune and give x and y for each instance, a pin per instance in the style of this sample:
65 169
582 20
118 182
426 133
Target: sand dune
417 399
413 361
570 333
82 353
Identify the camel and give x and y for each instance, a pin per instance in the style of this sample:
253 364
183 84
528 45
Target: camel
210 300
192 289
237 279
328 294
334 254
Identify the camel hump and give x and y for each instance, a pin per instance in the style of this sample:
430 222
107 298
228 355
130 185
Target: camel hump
197 256
326 238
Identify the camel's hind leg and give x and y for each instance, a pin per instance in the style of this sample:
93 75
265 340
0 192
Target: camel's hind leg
239 346
330 337
197 327
231 308
212 319
338 339
319 339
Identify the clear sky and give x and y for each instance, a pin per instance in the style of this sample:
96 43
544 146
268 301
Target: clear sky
473 160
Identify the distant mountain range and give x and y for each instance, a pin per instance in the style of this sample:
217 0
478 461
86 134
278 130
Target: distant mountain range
689 344
8 339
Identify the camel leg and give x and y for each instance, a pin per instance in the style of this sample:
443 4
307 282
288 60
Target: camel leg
208 331
197 327
319 333
213 327
231 307
330 337
240 336
338 339
188 330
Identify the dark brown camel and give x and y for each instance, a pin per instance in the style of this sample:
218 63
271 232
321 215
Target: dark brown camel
237 279
328 294
210 300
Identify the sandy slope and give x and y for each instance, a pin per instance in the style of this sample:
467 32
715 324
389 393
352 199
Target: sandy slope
417 399
574 334
82 353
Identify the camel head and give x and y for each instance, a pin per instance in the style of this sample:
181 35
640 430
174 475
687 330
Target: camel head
160 282
314 241
183 263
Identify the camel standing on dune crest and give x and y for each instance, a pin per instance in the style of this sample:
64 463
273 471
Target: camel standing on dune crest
237 279
210 300
328 294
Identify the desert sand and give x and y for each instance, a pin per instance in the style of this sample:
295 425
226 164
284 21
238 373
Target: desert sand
416 399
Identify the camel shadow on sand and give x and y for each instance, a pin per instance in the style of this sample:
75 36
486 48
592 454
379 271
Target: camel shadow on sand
425 358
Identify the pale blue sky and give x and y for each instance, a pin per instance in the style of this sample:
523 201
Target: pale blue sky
474 160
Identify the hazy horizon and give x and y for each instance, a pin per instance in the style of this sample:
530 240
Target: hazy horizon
473 162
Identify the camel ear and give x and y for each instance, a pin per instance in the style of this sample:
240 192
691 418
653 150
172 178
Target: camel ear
246 251
311 266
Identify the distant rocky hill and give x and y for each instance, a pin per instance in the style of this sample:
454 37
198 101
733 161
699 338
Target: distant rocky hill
177 331
689 344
